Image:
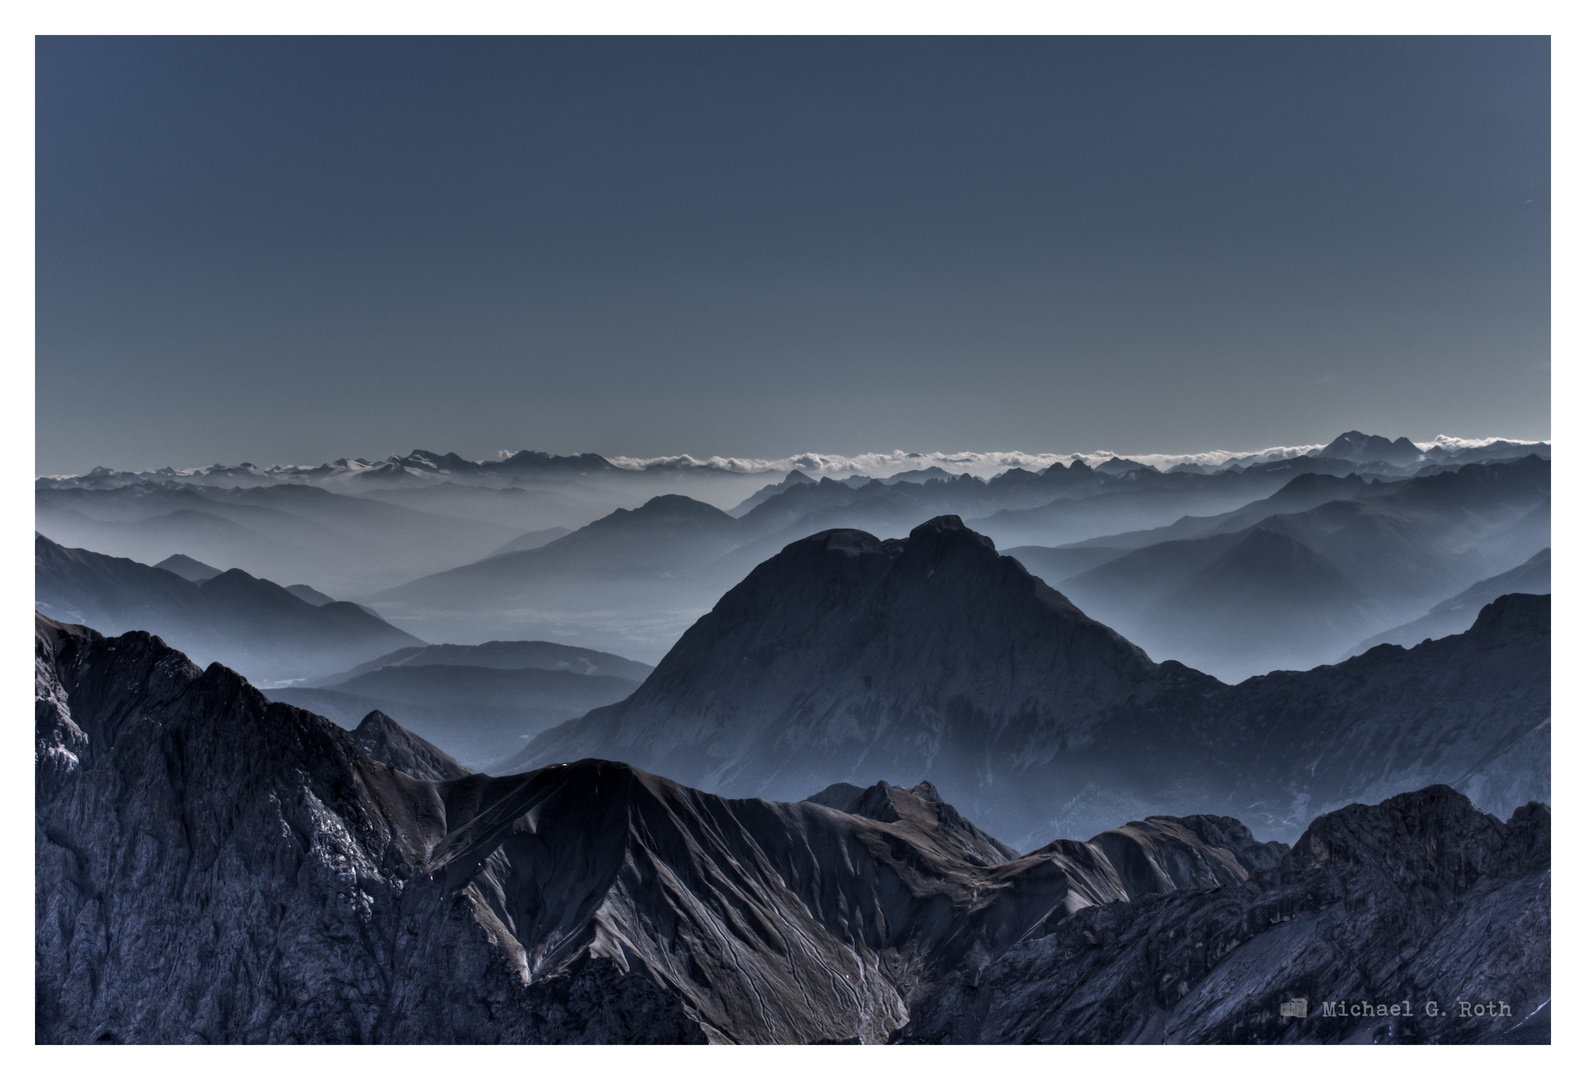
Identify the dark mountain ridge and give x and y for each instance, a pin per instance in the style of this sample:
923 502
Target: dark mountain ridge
509 655
211 867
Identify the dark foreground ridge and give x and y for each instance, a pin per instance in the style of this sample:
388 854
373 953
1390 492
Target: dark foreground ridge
186 827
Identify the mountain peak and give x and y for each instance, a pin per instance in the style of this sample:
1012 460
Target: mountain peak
949 525
846 648
1515 614
380 738
189 568
1359 447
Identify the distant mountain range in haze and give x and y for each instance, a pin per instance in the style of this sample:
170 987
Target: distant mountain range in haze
231 617
1279 564
337 658
482 702
428 464
936 657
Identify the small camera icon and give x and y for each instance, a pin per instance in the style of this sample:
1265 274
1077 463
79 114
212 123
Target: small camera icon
1292 1008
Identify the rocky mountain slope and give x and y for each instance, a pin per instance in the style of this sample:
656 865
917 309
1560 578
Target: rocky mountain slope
1422 905
212 867
847 657
380 738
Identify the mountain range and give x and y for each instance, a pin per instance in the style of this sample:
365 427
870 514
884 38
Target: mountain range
846 656
1456 614
186 826
480 701
251 624
1299 578
424 538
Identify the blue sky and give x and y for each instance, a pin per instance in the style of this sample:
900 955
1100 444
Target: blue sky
295 249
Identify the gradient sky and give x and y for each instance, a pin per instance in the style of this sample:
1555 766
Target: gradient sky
291 250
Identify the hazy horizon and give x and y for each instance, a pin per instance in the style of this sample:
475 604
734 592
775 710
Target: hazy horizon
291 250
876 462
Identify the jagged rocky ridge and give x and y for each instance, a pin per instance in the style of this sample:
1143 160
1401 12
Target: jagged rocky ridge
846 657
1423 900
185 826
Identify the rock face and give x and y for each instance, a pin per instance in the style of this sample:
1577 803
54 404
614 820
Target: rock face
186 826
1422 899
380 738
846 657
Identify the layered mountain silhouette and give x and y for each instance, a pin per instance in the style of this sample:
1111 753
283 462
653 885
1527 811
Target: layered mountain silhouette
1456 614
481 714
186 826
419 535
250 624
610 584
1219 595
634 580
481 702
846 657
346 545
191 569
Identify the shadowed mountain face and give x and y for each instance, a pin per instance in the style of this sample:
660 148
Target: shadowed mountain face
1459 910
184 825
380 738
846 656
256 626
